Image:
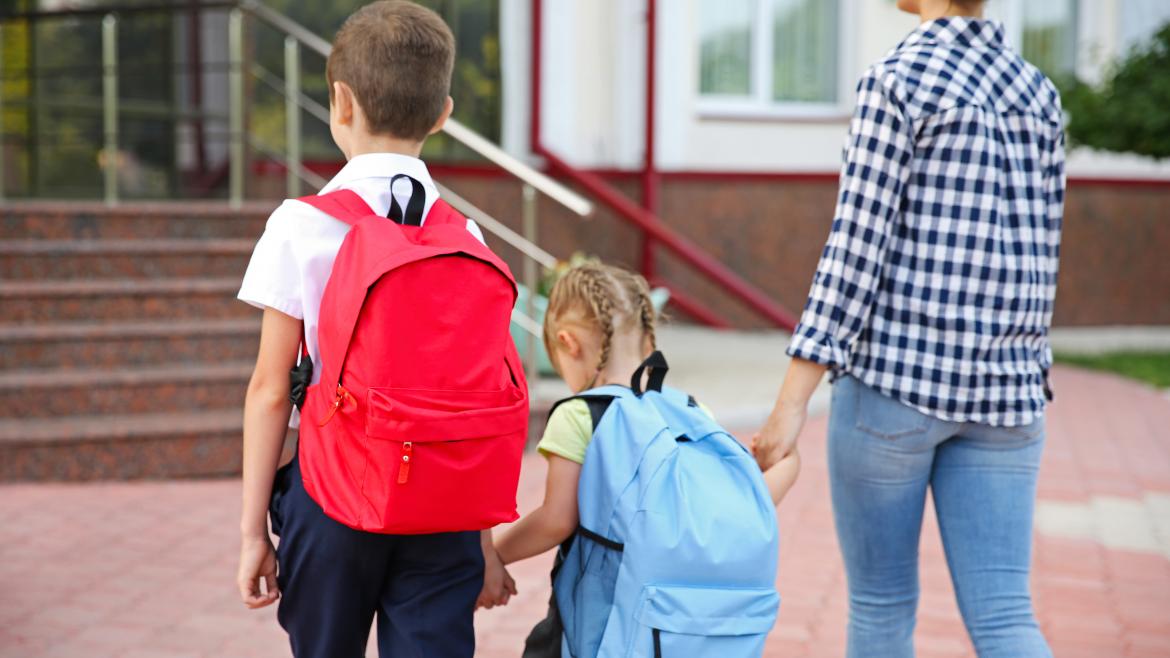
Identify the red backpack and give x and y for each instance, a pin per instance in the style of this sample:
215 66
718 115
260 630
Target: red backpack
420 418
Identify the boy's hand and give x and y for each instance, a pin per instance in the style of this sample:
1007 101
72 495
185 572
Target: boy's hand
257 562
498 585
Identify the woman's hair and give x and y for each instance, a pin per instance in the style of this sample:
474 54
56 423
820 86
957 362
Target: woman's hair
607 298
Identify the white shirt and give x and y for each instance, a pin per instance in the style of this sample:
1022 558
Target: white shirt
294 257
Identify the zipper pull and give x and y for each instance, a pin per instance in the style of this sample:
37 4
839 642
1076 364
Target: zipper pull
404 468
343 398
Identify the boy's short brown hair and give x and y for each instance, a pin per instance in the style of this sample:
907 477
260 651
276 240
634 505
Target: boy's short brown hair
397 57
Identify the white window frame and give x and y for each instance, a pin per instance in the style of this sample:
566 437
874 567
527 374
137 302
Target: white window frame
759 103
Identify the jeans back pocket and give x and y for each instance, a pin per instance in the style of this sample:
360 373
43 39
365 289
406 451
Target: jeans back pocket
883 416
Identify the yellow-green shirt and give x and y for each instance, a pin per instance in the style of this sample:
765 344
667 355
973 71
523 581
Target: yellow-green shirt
569 430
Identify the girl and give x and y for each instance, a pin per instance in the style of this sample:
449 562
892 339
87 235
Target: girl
598 329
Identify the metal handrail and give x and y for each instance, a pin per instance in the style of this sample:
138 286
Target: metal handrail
456 130
296 36
562 194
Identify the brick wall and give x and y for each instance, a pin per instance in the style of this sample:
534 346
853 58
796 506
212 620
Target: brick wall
1115 261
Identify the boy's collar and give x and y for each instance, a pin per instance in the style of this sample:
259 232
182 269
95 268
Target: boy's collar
379 165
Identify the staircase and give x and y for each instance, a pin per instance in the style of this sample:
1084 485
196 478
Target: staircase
123 352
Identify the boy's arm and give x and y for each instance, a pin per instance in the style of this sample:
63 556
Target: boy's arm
552 522
782 475
266 413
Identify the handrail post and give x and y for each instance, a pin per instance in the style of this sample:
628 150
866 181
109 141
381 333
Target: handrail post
110 107
236 107
528 213
292 118
3 151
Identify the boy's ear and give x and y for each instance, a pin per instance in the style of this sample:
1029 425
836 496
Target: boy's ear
343 103
448 106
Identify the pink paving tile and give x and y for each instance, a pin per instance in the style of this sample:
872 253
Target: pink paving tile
158 584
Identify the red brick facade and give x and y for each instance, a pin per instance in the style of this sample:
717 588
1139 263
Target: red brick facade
1115 267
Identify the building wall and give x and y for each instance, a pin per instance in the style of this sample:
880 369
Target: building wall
593 86
1114 265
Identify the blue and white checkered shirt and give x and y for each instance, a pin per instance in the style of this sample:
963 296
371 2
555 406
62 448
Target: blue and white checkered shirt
937 281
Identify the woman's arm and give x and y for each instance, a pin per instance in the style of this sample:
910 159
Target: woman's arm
266 412
551 523
877 167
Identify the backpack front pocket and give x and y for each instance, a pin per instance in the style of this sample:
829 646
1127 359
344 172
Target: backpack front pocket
676 622
443 461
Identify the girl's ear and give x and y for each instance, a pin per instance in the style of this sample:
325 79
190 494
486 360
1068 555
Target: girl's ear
568 343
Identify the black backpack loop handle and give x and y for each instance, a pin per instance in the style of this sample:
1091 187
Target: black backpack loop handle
657 367
413 216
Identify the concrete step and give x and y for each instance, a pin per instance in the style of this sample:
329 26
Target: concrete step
31 260
118 447
121 344
28 220
54 393
56 301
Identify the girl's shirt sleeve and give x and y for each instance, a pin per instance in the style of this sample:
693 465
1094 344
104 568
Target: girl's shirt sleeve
569 429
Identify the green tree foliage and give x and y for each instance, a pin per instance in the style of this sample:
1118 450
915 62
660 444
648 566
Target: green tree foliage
1130 112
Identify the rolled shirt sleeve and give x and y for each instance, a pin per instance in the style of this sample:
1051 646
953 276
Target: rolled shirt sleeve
877 159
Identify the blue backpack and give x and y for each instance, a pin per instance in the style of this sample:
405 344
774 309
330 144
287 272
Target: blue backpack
677 547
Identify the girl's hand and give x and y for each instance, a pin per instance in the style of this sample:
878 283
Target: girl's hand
498 585
257 562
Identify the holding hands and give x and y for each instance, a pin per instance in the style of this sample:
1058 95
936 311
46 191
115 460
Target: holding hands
498 585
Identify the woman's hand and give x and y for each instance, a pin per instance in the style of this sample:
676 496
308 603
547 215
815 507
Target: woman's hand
257 562
777 438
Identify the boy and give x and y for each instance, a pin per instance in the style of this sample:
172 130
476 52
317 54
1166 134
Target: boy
389 79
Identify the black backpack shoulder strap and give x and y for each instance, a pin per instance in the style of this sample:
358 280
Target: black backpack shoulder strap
598 405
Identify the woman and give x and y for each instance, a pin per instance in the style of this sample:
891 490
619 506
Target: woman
931 307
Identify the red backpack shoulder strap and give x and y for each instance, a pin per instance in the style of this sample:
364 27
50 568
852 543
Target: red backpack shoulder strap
342 204
442 213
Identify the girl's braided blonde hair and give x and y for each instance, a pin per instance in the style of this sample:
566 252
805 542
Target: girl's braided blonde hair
608 299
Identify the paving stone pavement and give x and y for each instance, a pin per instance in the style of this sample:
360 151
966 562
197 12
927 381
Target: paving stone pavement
145 570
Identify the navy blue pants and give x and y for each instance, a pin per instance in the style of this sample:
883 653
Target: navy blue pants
335 581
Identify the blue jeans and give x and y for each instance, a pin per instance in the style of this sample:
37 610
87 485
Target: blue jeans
883 455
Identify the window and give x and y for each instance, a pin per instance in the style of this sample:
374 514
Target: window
760 56
1043 31
1049 37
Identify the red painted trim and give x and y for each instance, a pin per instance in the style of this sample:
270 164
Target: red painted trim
692 307
535 89
1118 182
754 176
484 170
650 185
690 253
